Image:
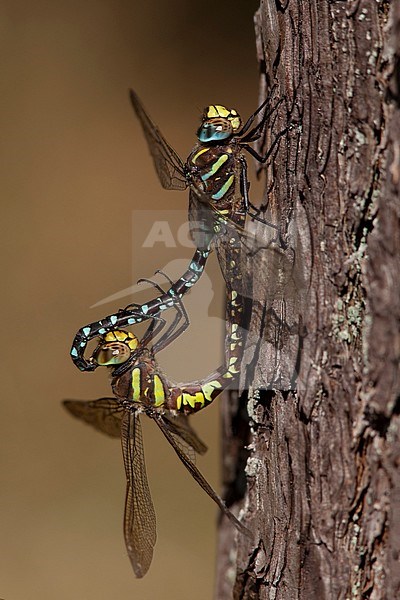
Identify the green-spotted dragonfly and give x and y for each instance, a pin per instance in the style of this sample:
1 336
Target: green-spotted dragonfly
216 175
143 389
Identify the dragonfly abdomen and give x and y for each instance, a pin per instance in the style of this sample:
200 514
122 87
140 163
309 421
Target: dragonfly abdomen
145 384
192 397
195 396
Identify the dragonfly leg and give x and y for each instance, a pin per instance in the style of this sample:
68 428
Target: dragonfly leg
131 306
257 131
173 331
139 313
263 158
264 118
252 210
156 326
250 120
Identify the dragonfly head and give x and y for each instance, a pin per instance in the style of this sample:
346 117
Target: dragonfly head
115 348
218 124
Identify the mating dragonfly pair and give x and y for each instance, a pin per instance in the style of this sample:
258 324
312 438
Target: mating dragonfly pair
216 175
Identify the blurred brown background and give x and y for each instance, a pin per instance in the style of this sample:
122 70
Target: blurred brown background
75 169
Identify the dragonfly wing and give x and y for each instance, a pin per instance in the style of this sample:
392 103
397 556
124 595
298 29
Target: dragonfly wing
276 305
168 164
105 414
179 426
258 252
285 287
279 307
139 517
201 221
197 475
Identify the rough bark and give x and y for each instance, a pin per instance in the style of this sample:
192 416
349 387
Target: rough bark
323 482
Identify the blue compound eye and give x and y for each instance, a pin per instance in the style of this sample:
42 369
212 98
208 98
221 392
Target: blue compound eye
215 130
113 353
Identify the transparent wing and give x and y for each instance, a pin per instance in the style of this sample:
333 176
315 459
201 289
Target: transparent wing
168 164
196 474
259 251
275 304
139 517
279 298
104 414
180 427
201 221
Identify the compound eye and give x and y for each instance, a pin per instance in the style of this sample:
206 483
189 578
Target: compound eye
216 130
112 353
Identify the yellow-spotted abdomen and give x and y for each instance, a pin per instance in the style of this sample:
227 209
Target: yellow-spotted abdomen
194 397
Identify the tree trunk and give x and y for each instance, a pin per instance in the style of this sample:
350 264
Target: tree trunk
323 484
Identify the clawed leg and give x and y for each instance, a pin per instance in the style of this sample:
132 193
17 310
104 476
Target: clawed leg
135 313
263 159
157 325
257 131
248 205
173 331
250 120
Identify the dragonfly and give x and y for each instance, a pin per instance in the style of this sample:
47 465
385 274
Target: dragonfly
143 389
216 174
